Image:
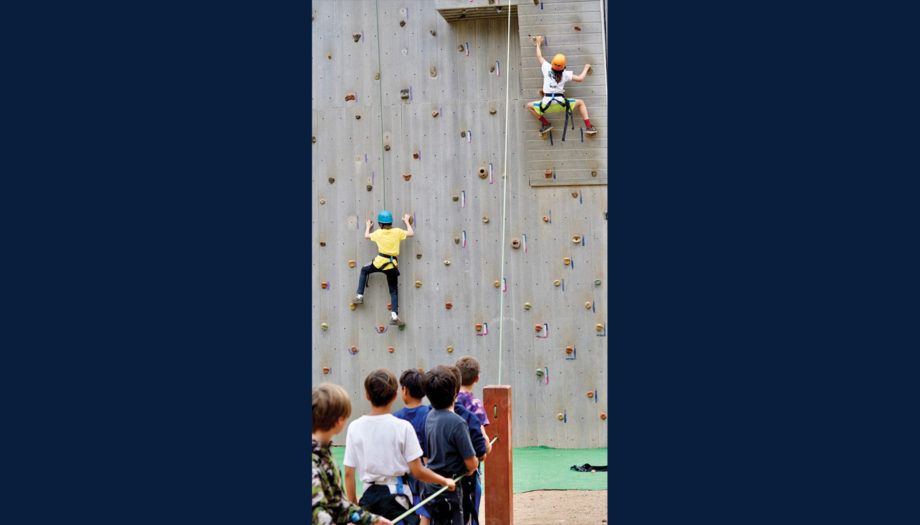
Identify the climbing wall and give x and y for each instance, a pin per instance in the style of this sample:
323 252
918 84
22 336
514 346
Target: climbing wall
434 148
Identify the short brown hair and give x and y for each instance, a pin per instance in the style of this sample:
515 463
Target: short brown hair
457 375
381 386
440 385
469 370
412 380
330 404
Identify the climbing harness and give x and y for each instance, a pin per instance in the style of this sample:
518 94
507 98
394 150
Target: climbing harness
392 263
565 104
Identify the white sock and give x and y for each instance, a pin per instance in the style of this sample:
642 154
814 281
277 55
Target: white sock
393 315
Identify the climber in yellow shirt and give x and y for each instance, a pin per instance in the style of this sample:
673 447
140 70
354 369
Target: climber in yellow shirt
387 239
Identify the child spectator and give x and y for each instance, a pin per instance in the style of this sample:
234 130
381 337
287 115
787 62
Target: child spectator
387 239
469 371
383 449
450 450
415 413
331 408
470 484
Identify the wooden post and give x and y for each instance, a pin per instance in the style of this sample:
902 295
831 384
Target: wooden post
498 490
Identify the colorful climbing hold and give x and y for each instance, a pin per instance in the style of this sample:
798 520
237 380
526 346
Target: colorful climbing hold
527 306
515 243
418 284
567 260
603 415
391 349
450 349
325 369
351 263
538 327
324 326
587 305
576 239
590 395
407 176
559 416
448 305
569 349
557 282
324 285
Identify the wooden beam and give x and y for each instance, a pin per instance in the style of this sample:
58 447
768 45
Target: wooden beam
498 490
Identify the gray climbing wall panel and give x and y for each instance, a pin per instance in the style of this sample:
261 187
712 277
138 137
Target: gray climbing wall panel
458 214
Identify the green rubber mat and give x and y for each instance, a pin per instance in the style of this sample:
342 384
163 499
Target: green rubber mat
541 468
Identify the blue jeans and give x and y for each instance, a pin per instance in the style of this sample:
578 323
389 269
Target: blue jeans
392 276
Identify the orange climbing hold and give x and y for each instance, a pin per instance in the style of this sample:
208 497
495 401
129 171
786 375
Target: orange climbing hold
350 96
538 327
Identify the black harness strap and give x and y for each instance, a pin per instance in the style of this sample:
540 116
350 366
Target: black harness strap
391 263
565 103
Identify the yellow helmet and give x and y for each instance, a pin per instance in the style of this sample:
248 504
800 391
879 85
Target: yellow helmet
559 62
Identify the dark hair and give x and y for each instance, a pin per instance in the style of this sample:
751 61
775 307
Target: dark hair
330 404
458 376
558 75
381 386
440 385
469 370
412 379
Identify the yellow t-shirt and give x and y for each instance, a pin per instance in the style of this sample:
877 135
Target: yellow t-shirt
388 243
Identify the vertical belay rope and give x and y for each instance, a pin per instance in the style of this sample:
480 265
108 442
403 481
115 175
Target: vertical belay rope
383 166
501 296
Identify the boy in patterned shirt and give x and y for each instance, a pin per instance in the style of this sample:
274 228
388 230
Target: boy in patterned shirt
469 372
331 408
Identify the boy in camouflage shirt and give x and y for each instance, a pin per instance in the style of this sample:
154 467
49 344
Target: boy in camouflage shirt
331 408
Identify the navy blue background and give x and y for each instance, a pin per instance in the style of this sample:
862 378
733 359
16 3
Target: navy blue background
156 205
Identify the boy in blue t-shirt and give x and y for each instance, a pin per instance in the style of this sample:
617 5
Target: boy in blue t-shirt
415 413
449 448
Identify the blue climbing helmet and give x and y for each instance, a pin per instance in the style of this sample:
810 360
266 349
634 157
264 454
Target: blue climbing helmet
385 217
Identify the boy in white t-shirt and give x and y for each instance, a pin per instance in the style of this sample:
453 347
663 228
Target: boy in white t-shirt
382 449
554 78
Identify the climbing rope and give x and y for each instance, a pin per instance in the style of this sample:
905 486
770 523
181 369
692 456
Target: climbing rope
501 297
383 166
429 498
